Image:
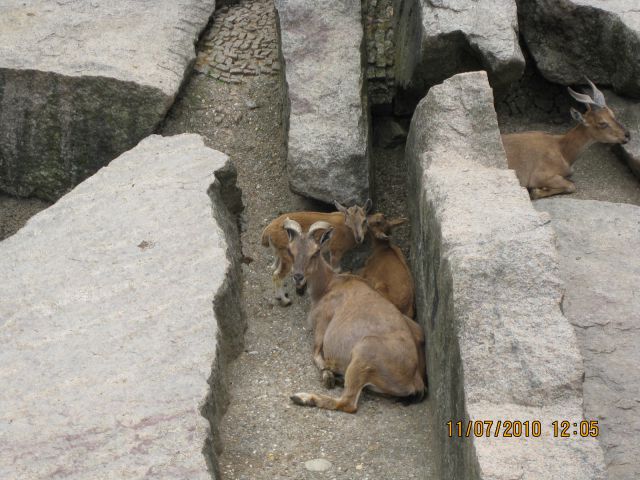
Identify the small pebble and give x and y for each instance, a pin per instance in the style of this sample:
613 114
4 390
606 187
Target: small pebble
317 465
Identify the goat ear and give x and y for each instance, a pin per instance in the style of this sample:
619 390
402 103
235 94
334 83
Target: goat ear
367 205
326 236
339 207
577 116
394 222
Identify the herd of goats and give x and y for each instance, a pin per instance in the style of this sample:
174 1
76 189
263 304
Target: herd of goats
364 332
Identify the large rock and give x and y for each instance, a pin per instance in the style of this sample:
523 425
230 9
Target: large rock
572 38
81 82
598 244
436 39
119 309
326 113
488 296
628 113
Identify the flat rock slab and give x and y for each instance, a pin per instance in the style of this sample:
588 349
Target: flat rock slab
325 106
488 294
83 81
110 325
436 39
572 38
598 244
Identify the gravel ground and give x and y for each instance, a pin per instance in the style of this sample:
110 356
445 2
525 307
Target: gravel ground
14 213
263 433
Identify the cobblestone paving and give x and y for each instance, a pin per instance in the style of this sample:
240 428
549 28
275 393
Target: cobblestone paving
242 42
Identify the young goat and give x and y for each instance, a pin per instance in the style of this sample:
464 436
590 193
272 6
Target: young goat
542 161
357 332
386 269
350 226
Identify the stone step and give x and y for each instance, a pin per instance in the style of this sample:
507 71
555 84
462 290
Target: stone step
119 306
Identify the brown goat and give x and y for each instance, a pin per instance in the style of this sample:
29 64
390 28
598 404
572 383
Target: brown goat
386 269
543 161
350 226
357 332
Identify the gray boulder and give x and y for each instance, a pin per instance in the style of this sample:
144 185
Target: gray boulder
326 113
82 82
488 296
628 113
120 308
598 244
436 39
572 38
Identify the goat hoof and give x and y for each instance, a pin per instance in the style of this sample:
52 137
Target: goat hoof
303 399
328 379
284 300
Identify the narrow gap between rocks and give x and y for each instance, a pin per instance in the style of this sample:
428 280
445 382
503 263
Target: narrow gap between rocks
238 111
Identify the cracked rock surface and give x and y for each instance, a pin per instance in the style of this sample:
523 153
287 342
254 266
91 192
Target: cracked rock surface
598 244
83 81
572 38
115 305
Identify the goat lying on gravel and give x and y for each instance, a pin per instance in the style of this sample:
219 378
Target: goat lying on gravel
543 161
357 332
386 269
350 228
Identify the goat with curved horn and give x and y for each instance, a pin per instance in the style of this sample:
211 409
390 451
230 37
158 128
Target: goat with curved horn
598 96
543 162
583 98
350 227
357 332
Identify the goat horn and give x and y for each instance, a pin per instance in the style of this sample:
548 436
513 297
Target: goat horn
292 225
598 96
581 97
319 226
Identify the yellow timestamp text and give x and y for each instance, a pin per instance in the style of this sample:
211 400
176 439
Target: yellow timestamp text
524 428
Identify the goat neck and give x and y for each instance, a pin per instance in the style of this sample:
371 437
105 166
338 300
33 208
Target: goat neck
320 279
574 142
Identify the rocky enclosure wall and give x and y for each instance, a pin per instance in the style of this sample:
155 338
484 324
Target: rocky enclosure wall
435 39
82 82
488 296
120 307
572 38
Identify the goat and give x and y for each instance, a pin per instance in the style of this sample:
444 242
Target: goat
543 161
350 226
386 269
357 332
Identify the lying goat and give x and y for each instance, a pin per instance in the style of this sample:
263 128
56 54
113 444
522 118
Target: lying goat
543 161
350 225
386 269
357 332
